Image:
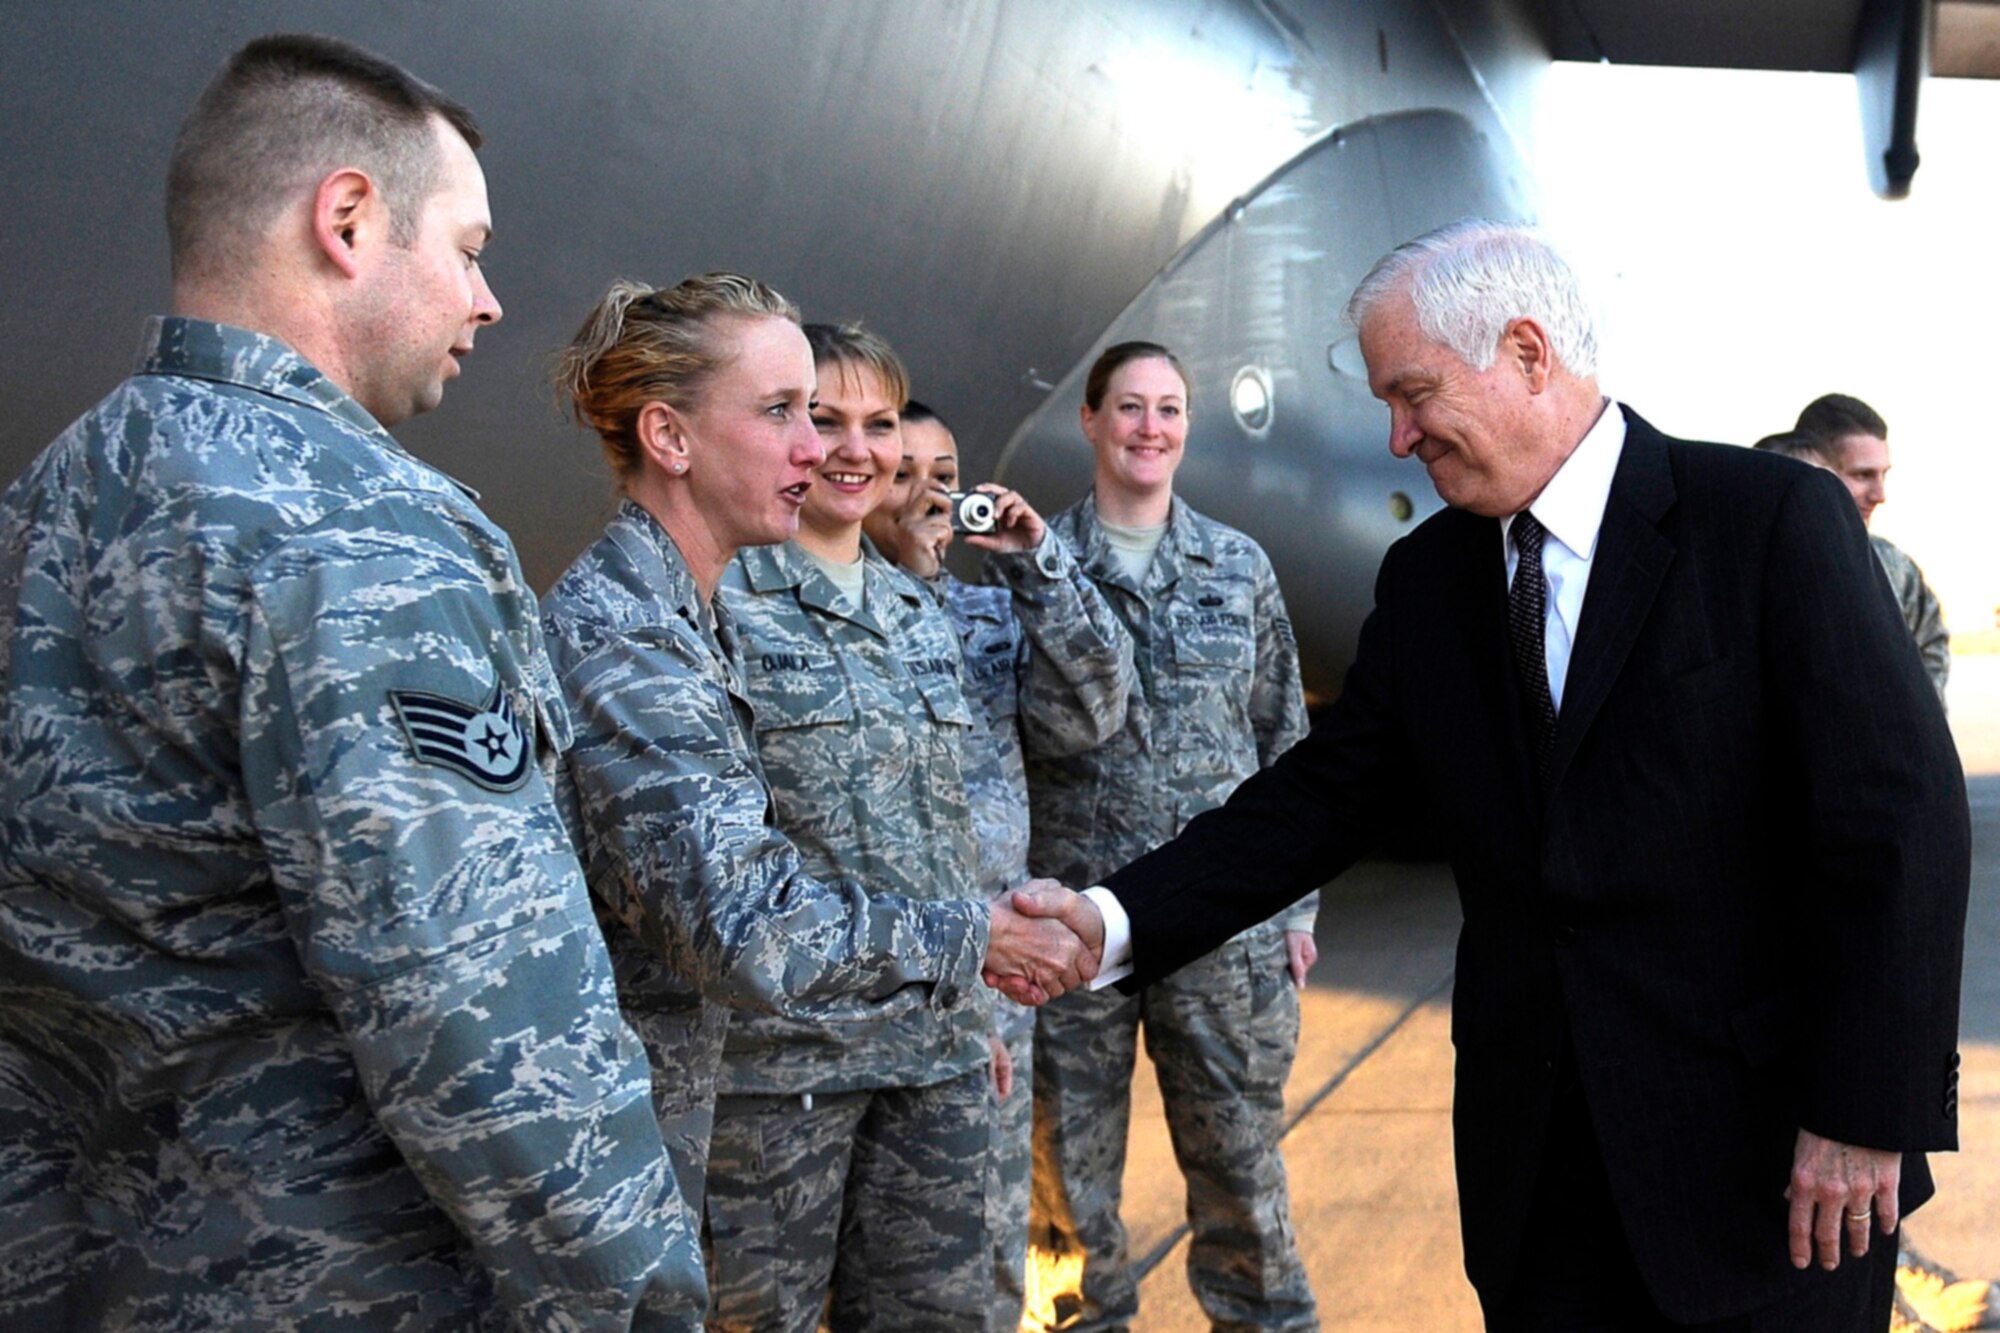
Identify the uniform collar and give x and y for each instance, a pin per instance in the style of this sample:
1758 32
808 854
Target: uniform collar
656 561
202 349
1185 540
768 569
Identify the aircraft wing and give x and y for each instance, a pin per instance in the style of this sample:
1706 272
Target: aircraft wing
1889 45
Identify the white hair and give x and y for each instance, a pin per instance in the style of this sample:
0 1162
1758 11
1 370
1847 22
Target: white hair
1468 280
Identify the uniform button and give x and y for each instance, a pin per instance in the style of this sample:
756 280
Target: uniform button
1954 1059
1564 935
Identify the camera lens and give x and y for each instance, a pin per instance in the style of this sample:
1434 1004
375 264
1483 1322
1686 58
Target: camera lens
975 512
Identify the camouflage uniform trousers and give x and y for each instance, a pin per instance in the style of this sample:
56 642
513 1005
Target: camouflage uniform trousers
1221 1032
886 1179
1010 1166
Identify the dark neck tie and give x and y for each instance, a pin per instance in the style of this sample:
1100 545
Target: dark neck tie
1527 624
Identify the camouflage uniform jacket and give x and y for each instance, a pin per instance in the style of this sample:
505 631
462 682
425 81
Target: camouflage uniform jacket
708 898
861 726
304 1009
1921 611
1219 697
1072 694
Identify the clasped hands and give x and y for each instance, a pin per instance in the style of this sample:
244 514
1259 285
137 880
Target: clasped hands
1044 939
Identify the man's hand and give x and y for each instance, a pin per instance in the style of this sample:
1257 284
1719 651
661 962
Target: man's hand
1032 957
1016 525
1301 952
1046 898
1838 1188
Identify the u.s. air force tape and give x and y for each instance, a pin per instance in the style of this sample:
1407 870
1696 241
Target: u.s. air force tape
484 742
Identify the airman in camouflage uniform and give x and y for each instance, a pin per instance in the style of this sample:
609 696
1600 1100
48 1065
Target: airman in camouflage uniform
704 896
304 1009
1219 697
1921 611
1076 690
860 723
304 1018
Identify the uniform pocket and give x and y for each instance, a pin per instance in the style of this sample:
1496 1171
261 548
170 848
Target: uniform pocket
944 700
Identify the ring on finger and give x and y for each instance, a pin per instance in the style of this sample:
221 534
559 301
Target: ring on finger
1862 1217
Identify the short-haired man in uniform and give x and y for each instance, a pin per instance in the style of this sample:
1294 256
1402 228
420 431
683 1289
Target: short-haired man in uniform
303 1011
1854 442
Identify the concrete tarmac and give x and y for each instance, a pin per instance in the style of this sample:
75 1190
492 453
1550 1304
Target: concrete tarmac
1369 1153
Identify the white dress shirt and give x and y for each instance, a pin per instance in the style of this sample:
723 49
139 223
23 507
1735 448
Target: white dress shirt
1571 509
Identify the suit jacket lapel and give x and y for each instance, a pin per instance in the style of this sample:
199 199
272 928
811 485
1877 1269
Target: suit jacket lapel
1632 558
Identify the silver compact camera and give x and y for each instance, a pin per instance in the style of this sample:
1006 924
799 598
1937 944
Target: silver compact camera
973 511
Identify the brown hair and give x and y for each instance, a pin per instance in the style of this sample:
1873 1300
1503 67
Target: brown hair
852 345
644 345
1834 416
1098 382
284 112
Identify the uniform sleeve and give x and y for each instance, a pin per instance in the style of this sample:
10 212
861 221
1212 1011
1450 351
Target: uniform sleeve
1278 701
1925 617
1079 674
442 915
683 851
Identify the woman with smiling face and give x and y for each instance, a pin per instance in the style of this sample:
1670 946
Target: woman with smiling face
700 395
1219 697
861 1141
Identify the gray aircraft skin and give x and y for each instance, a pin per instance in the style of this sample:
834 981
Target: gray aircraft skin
1000 187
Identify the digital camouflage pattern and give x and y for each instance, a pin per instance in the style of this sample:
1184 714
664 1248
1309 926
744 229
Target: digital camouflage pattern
1221 1033
1048 665
701 897
1921 611
888 1180
861 727
1079 700
1010 1168
305 1019
1218 697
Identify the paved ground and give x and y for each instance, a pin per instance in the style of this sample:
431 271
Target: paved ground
1370 1155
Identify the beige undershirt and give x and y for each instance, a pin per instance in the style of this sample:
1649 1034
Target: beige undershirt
849 578
1133 548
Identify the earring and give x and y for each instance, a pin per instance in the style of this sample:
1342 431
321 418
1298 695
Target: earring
679 467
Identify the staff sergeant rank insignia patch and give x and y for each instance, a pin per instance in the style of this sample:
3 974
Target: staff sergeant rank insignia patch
483 742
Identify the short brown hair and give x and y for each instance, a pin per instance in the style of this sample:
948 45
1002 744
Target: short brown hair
283 113
1098 382
1832 416
851 345
641 344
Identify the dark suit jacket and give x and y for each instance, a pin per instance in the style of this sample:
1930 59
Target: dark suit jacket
1742 898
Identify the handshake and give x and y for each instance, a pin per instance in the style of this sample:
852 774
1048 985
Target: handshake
1044 940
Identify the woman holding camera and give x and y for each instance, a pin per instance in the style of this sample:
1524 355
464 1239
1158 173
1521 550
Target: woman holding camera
1219 698
1073 693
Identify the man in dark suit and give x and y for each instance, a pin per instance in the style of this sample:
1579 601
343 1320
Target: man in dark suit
1707 823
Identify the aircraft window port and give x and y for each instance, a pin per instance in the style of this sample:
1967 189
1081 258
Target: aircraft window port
1250 396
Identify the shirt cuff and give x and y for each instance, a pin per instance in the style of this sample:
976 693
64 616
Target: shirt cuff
1116 964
